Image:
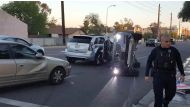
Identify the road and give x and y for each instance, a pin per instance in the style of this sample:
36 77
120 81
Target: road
88 85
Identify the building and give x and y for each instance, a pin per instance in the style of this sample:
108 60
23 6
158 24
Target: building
185 32
10 25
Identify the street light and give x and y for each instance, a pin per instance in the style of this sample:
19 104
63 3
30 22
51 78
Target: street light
107 16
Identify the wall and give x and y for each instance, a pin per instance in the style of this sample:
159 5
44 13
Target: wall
47 41
10 25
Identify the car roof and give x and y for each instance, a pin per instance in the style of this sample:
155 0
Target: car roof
90 36
6 36
10 42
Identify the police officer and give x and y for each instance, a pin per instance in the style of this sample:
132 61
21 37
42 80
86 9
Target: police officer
161 64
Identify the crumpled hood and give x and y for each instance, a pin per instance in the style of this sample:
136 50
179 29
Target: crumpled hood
55 59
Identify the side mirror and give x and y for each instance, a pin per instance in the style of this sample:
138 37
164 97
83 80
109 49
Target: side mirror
39 56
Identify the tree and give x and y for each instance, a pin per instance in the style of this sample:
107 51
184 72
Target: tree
137 28
33 13
52 22
185 12
124 25
92 25
154 28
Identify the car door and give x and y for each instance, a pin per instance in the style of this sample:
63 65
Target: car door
28 66
7 65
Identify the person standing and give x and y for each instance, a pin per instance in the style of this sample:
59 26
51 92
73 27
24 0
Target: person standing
161 65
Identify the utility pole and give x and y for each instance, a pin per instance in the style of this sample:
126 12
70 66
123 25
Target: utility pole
171 25
179 29
63 21
158 28
107 17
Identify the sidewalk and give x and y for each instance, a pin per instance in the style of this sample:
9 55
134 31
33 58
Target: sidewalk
180 99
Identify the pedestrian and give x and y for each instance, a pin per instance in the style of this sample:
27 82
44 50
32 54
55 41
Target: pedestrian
161 65
107 49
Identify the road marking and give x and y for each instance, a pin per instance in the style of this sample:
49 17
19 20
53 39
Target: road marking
18 103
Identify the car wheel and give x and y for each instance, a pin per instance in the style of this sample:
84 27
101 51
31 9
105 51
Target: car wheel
57 76
98 59
41 52
71 60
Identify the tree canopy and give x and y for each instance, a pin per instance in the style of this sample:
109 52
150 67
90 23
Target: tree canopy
92 25
124 25
33 13
185 12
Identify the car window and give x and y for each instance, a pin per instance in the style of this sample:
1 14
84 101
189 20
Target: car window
4 51
10 39
22 52
102 40
96 41
80 39
22 42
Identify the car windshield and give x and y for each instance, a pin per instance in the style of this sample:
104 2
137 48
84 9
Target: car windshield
80 39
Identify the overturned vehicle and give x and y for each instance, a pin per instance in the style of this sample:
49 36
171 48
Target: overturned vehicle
123 57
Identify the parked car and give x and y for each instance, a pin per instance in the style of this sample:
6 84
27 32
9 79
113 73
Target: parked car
151 42
20 64
85 47
37 48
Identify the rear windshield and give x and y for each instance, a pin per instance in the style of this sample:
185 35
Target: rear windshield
80 39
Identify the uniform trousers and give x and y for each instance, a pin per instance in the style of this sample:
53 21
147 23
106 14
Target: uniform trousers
164 86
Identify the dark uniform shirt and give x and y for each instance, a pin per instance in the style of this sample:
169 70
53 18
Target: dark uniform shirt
154 53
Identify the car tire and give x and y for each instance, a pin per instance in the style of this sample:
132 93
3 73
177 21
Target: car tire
57 76
98 59
70 60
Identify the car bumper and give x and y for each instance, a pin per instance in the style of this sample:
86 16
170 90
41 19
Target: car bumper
83 56
68 70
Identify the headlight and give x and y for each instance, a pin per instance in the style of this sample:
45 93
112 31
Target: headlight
115 71
118 36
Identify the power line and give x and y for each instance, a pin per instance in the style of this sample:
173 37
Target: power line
137 7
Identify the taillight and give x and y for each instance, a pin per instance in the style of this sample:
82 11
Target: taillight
90 48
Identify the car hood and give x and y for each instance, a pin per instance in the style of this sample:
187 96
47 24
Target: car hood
36 47
56 60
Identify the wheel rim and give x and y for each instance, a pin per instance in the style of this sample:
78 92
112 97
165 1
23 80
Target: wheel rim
58 76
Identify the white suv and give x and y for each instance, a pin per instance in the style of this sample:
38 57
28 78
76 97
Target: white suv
85 47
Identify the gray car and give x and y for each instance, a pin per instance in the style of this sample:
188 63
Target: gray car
20 64
37 48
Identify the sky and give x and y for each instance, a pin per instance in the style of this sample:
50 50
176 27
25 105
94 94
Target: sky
142 13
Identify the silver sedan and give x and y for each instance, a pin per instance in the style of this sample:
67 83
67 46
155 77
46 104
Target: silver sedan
20 64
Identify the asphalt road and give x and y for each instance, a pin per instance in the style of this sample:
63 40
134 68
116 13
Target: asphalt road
88 85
